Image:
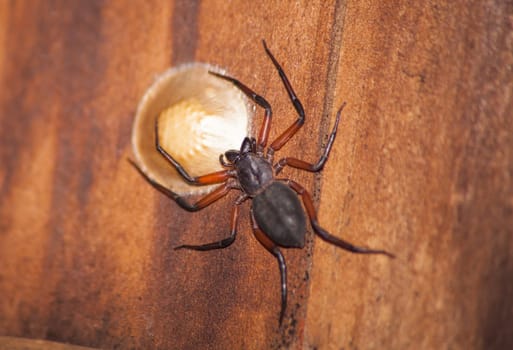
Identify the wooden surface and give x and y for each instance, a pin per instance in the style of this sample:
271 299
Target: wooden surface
422 166
11 343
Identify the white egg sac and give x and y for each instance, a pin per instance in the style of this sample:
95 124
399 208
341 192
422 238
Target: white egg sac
200 116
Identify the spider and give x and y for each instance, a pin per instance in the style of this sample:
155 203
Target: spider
277 217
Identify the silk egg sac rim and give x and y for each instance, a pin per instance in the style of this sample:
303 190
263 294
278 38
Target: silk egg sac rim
221 118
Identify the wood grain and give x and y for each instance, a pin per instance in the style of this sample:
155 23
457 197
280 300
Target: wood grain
11 343
422 166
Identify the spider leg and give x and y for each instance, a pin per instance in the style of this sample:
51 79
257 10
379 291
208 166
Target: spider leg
300 164
325 235
263 135
287 134
212 178
203 202
226 241
274 250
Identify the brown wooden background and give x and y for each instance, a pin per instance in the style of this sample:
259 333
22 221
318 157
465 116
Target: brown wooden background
422 166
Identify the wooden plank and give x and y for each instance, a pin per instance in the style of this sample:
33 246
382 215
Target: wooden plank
10 343
421 167
424 170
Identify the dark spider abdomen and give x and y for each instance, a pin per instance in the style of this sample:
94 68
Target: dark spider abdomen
278 213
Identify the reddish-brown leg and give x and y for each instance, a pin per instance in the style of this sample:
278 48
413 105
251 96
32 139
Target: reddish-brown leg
300 164
274 250
285 136
263 135
203 202
212 178
325 235
226 241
